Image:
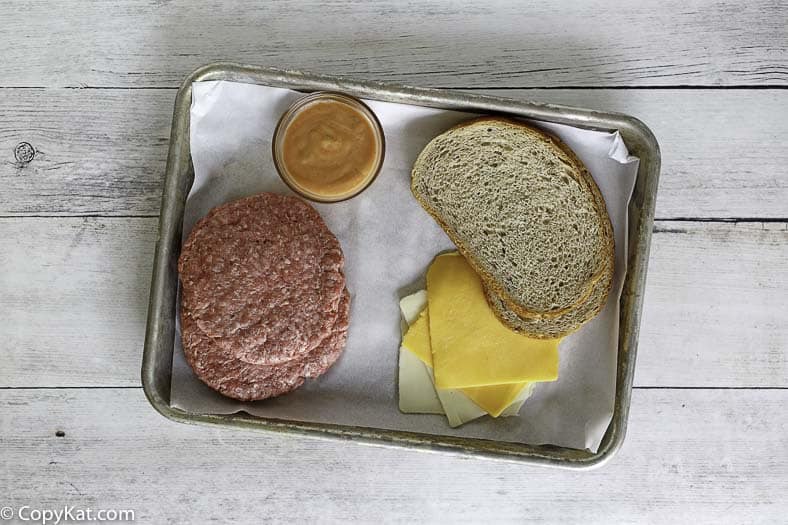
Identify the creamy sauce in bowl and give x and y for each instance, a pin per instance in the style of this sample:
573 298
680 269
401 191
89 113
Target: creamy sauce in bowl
328 147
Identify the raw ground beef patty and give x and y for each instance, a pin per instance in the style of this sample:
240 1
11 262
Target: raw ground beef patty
230 376
263 277
263 304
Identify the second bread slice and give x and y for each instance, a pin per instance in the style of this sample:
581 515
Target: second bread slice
552 327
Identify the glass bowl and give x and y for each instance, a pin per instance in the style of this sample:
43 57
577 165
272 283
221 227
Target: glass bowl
324 139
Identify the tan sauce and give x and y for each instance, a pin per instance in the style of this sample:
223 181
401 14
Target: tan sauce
329 148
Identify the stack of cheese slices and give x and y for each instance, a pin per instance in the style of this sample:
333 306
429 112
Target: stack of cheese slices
535 263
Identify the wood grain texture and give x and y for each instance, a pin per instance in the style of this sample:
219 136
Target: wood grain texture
438 43
715 306
97 151
75 300
699 456
104 151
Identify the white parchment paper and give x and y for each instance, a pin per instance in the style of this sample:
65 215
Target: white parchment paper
388 242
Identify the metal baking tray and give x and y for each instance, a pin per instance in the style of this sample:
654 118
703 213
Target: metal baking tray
160 333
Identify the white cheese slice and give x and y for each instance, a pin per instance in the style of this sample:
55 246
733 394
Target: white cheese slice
519 401
412 305
416 393
458 408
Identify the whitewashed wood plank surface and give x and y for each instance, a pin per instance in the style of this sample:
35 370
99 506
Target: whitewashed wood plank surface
104 151
75 296
97 151
699 456
74 300
708 439
438 43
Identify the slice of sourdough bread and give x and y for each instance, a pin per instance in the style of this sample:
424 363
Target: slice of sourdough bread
524 211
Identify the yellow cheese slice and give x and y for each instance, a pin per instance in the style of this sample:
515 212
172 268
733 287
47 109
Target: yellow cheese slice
492 399
416 384
417 339
470 346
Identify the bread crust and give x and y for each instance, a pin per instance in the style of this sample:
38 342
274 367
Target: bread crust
559 326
